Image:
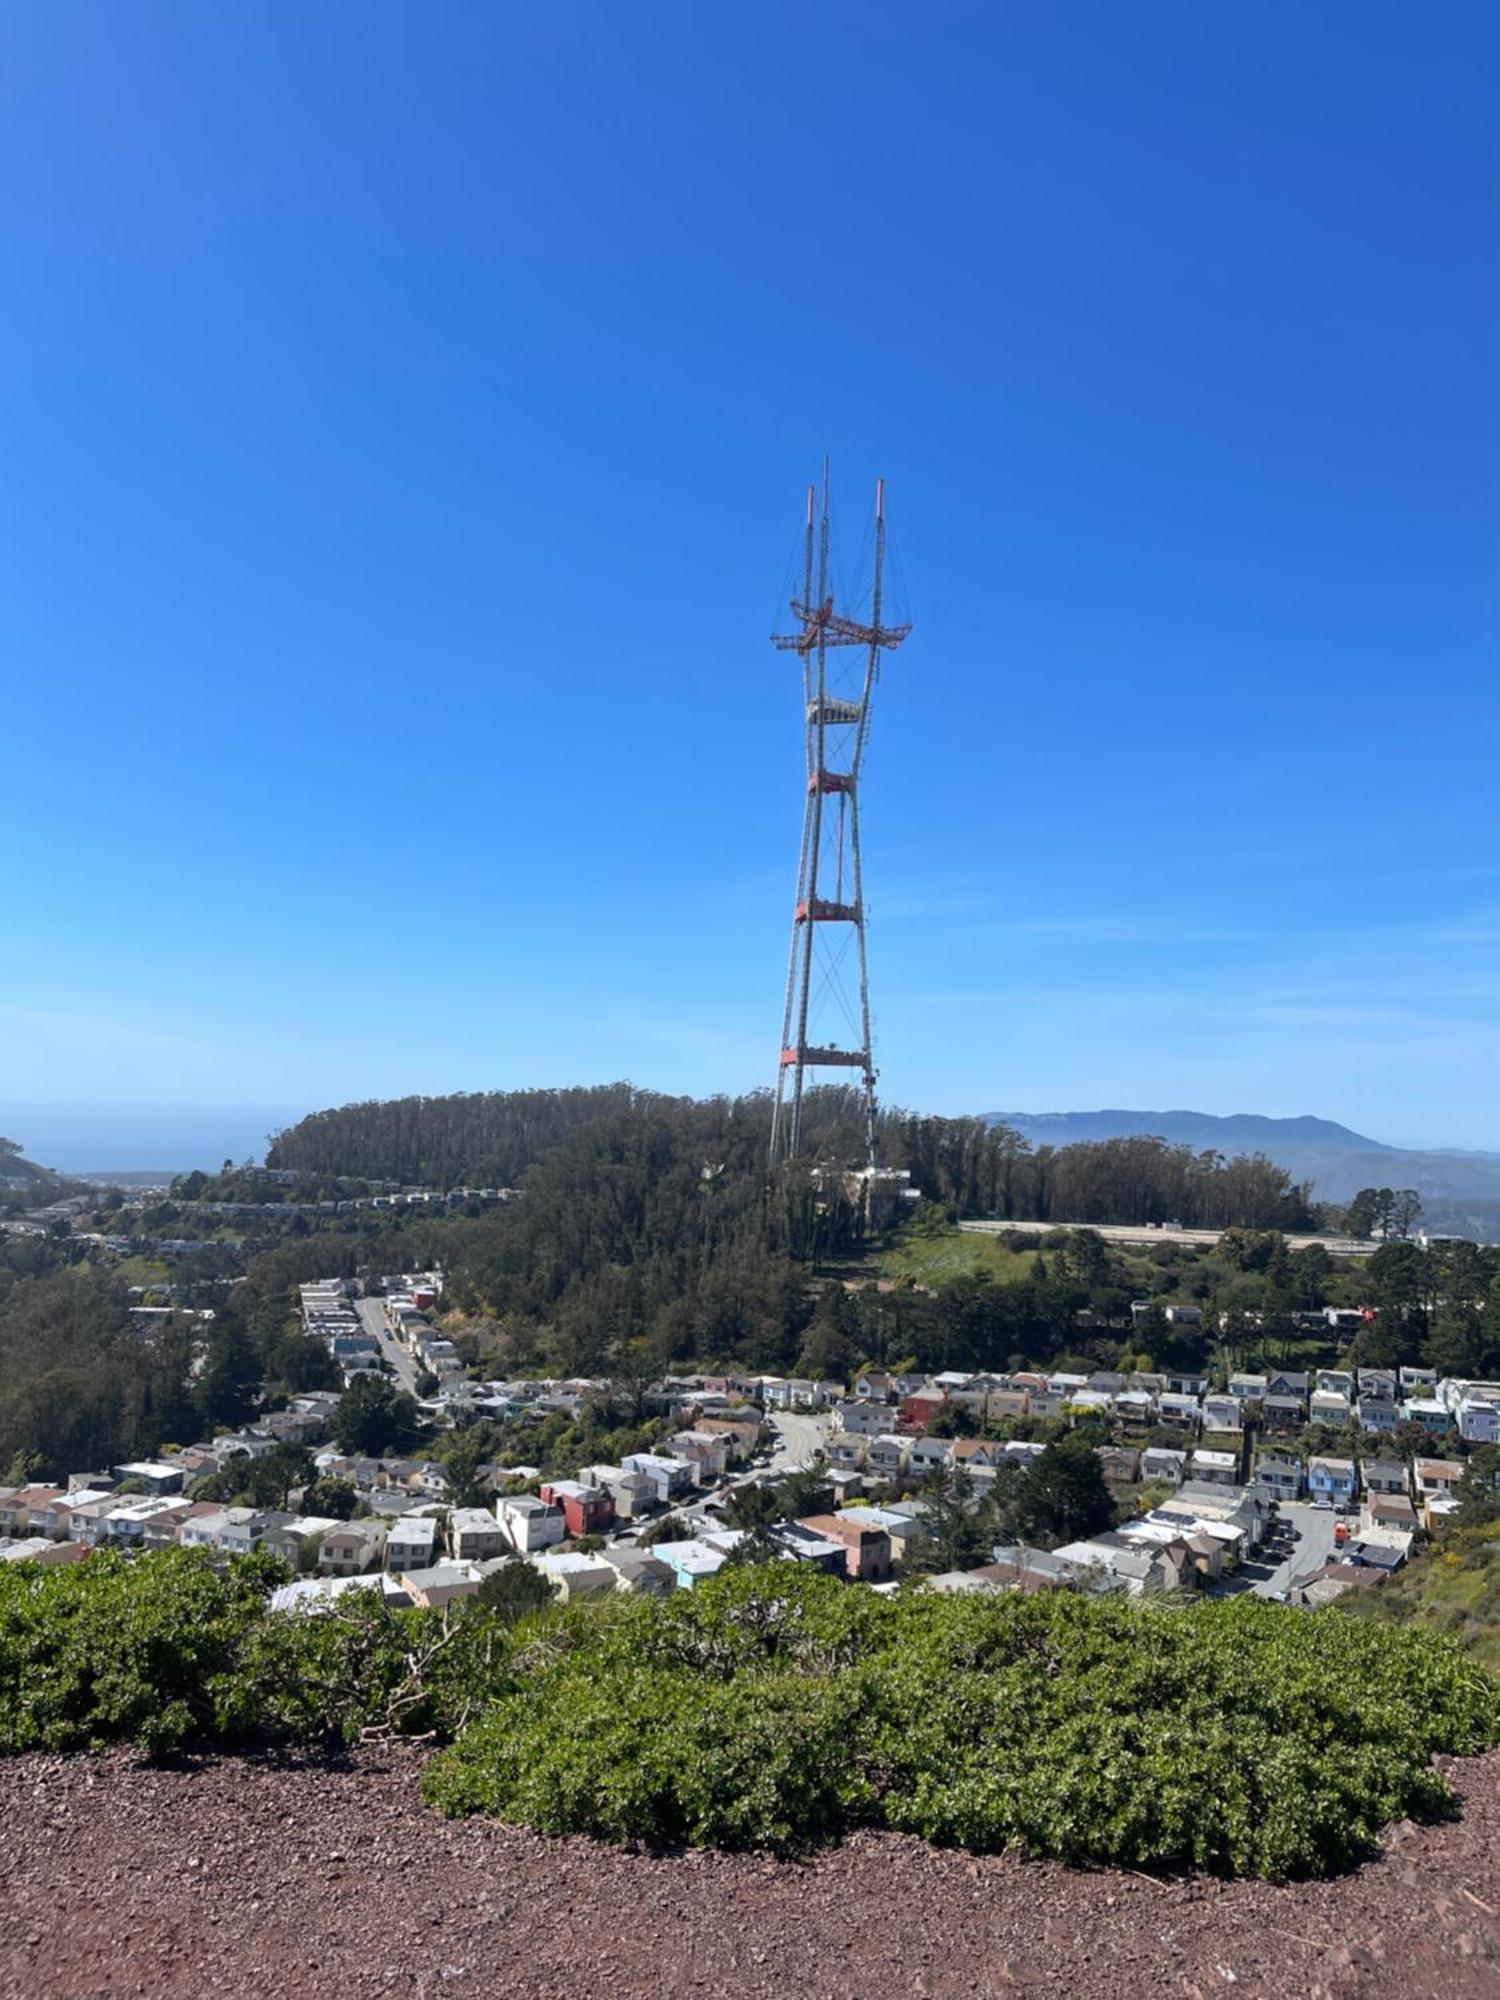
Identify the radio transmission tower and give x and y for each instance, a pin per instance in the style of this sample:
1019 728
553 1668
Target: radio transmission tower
826 1024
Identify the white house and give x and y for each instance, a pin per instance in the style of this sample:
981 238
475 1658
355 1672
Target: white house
670 1476
862 1419
886 1455
930 1454
530 1524
1329 1406
1479 1421
1159 1461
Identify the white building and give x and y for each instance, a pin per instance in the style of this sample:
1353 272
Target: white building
530 1524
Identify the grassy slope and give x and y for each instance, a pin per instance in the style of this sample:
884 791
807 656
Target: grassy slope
956 1253
1454 1590
935 1260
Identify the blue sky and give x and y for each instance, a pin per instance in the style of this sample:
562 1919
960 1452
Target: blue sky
406 415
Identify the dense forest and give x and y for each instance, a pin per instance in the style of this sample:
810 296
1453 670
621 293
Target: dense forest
649 1233
970 1165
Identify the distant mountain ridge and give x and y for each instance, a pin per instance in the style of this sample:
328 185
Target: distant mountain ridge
1460 1190
1241 1132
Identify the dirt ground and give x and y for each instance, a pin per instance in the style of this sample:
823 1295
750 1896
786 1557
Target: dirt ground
256 1876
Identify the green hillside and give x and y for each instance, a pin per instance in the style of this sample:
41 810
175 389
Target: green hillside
1454 1590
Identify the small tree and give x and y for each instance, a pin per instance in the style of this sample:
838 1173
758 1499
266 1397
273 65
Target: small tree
667 1529
373 1418
1405 1209
330 1500
1479 1489
1062 1495
516 1590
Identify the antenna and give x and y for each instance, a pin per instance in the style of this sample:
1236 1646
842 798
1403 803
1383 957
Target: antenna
825 1024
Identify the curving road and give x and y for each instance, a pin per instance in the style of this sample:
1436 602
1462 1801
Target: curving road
799 1440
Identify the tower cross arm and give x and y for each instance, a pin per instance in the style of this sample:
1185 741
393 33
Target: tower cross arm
830 627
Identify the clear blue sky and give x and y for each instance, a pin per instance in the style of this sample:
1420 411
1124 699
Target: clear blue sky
405 416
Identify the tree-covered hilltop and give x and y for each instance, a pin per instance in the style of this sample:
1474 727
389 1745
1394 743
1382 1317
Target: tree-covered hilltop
971 1166
80 1386
24 1184
473 1138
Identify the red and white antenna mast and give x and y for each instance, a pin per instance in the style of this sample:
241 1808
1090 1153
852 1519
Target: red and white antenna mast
826 1024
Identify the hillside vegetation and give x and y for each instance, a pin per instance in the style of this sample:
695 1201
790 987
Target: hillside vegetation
971 1166
1453 1590
24 1184
780 1709
774 1708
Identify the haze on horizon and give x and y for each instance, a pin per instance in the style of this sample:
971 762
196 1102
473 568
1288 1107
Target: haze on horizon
405 445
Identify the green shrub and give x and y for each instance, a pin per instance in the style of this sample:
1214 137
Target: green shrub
774 1708
365 1667
174 1648
112 1649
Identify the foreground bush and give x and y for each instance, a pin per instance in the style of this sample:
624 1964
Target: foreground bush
172 1648
774 1708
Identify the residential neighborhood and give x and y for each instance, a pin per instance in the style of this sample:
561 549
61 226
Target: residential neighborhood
1233 1502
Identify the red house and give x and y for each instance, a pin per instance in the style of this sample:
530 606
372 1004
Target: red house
587 1510
919 1409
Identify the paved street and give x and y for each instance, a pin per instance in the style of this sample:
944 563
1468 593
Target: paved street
799 1440
1303 1542
372 1312
1143 1234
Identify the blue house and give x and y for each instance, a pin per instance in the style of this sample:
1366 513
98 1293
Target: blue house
1332 1479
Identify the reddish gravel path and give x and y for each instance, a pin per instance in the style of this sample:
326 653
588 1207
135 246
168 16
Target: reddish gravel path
249 1877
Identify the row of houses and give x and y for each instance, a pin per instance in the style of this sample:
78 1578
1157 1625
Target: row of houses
568 1573
409 1298
1429 1486
328 1316
93 1495
349 1204
521 1524
1194 1541
1285 1401
1191 1542
644 1481
408 1497
855 1543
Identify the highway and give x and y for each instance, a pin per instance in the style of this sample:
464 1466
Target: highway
372 1312
1143 1233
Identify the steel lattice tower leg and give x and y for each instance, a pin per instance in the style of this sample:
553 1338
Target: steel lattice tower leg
830 881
